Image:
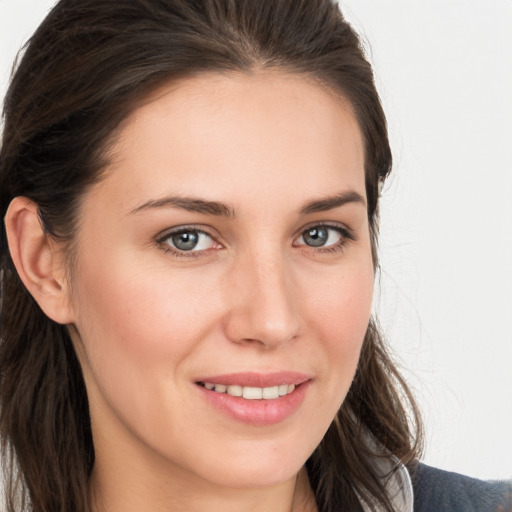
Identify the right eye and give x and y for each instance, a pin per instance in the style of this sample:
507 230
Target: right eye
190 240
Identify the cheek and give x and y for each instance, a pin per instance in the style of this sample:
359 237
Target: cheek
130 304
137 325
342 306
139 331
339 316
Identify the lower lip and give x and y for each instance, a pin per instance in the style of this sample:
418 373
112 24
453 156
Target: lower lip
257 412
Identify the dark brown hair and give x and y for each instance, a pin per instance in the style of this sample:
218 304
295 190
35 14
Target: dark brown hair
89 64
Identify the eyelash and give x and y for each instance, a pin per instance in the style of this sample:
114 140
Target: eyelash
168 249
346 236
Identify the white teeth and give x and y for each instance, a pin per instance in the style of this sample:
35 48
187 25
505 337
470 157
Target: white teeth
250 392
235 390
270 393
283 389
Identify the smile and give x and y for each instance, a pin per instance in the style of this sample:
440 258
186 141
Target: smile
250 392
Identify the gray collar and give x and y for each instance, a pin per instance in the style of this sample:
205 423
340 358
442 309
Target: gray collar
399 488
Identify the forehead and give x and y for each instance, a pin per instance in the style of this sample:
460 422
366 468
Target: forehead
216 134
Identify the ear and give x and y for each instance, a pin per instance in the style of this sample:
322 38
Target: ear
37 259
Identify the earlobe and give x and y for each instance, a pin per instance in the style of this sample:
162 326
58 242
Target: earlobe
37 260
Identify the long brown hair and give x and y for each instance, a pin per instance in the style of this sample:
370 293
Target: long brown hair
89 64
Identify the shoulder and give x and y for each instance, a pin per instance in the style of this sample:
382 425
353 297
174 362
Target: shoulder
436 490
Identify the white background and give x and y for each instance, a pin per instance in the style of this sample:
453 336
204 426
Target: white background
444 69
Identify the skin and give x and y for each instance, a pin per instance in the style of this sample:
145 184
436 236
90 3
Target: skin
148 322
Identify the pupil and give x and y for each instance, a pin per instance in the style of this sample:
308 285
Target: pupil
185 241
315 237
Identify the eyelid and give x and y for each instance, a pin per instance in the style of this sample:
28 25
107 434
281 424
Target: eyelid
337 226
163 236
345 234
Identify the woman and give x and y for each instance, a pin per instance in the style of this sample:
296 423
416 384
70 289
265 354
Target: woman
190 192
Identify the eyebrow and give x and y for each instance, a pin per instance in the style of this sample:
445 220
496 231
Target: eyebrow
219 209
329 203
190 204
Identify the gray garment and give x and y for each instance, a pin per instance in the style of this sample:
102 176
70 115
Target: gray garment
427 489
436 490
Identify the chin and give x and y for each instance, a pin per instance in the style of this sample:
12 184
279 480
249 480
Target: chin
256 464
256 476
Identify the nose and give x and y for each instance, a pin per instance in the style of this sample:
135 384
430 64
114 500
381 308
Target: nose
262 302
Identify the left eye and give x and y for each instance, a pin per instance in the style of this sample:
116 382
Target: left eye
189 240
321 236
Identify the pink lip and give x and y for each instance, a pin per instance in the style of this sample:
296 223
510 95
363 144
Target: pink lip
257 412
258 380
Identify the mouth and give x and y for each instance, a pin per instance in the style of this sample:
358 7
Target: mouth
255 398
250 392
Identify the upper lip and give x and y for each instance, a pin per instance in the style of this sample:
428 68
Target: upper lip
256 379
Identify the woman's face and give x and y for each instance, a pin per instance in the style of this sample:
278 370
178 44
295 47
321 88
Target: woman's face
227 251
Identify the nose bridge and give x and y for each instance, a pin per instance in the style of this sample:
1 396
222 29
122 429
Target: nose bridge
262 305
